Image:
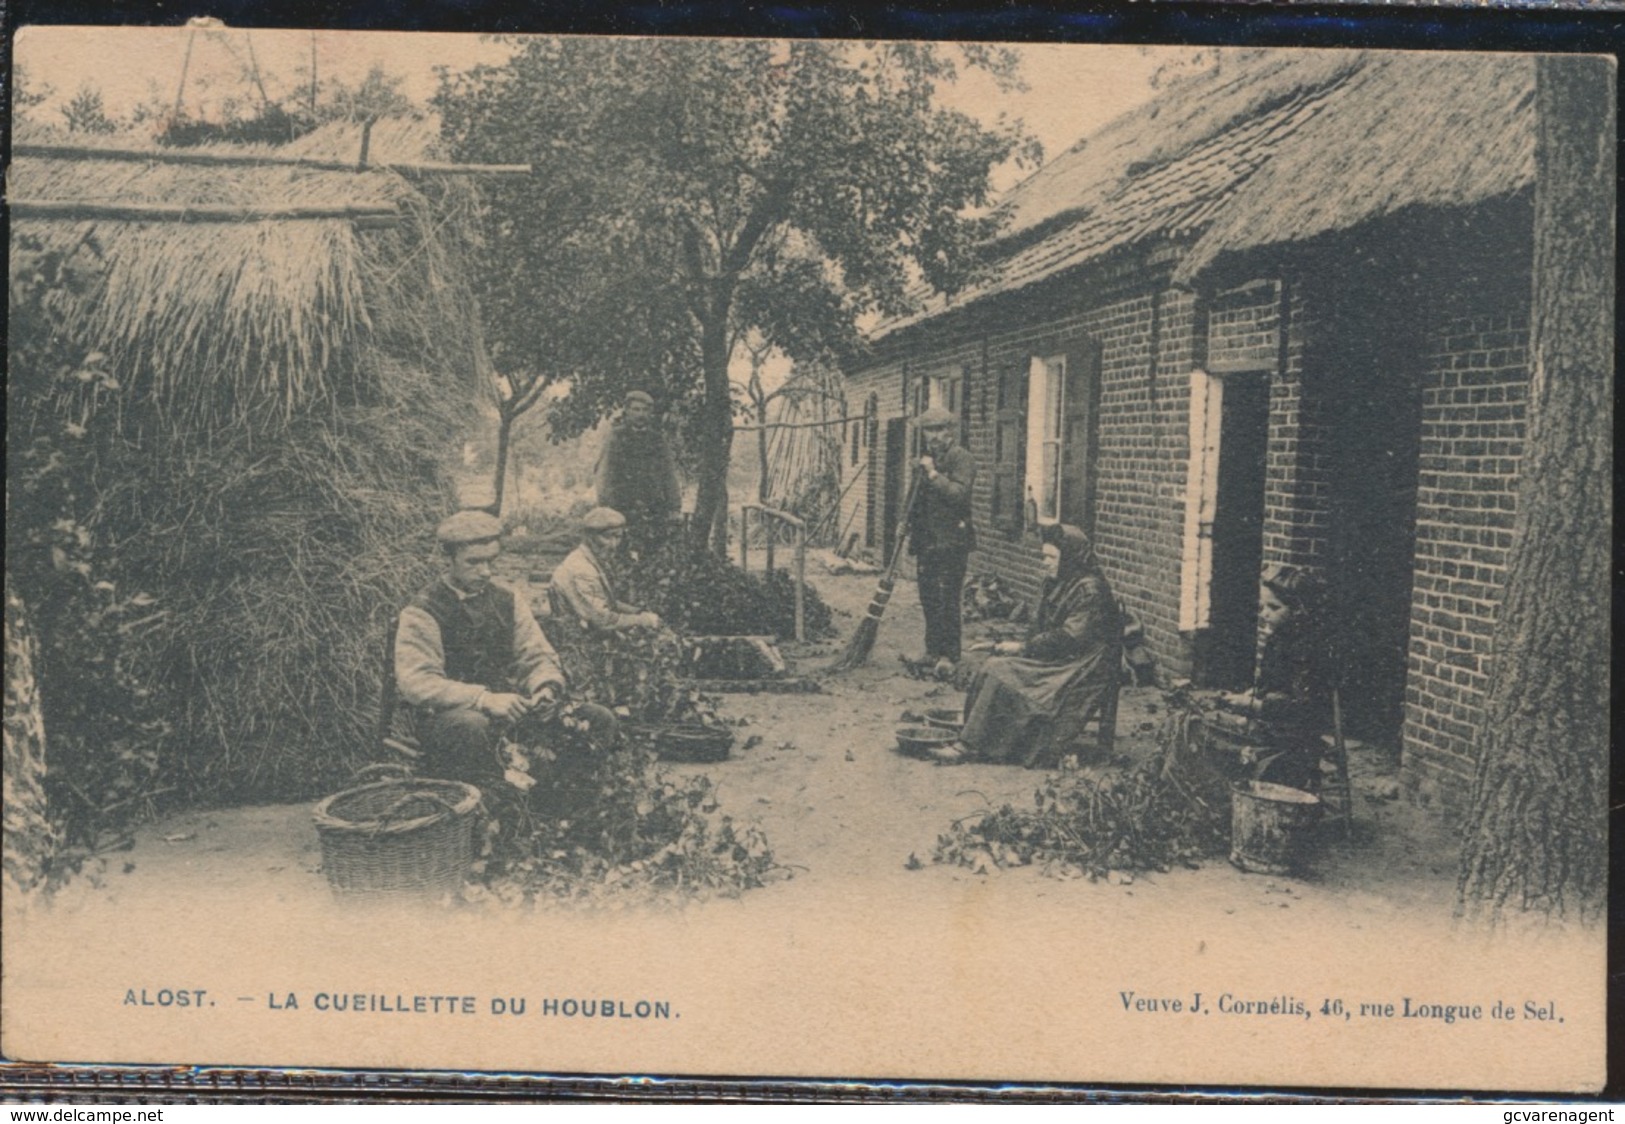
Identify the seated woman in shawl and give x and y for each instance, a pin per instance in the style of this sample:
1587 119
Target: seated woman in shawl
1029 701
1289 706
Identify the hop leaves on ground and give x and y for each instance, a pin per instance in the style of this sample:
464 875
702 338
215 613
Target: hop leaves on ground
639 835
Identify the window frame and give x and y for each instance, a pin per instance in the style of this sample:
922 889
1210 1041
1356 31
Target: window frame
1046 430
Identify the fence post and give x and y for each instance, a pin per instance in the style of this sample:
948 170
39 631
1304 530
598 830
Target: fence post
744 537
801 581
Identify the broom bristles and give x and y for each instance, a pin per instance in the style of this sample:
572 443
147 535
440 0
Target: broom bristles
863 639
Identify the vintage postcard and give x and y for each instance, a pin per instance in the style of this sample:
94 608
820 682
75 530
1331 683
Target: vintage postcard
856 560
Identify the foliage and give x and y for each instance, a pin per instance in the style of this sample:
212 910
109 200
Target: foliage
690 191
85 112
699 594
637 673
99 708
988 598
264 119
1167 811
641 835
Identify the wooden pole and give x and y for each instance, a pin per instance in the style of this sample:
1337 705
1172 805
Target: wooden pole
253 160
76 209
801 581
180 88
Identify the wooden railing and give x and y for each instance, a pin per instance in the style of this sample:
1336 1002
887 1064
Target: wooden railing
773 517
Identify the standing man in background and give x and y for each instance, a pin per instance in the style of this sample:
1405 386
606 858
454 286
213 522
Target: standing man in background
637 475
941 536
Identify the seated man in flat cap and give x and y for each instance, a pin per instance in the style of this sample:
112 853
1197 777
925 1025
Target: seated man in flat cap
471 657
584 585
617 654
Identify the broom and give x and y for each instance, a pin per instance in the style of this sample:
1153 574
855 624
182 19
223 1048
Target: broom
863 640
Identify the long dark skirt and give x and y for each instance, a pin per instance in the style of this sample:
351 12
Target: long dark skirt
1022 711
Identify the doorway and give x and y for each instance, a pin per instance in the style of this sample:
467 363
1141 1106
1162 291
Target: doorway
1229 645
895 471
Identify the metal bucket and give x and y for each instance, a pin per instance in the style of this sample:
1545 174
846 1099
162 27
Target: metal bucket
1271 827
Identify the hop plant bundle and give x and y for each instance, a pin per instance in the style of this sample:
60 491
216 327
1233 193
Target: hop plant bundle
631 833
701 594
1168 811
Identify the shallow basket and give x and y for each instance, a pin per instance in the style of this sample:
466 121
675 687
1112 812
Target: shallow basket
398 838
945 718
919 741
690 743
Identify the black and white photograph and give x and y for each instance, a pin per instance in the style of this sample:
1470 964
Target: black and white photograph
808 558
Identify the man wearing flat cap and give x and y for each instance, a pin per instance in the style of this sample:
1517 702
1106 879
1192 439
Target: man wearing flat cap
471 658
941 536
584 583
636 474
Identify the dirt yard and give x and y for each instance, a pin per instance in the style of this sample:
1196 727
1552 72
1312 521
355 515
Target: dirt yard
845 812
860 963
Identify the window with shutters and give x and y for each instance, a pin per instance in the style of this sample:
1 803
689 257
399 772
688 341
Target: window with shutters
1044 438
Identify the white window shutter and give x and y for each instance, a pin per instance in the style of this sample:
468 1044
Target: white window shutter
1201 498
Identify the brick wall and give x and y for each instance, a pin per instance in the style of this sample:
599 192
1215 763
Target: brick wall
1146 341
1473 403
1295 476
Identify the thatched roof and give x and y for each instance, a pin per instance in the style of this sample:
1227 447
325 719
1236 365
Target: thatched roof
274 314
1270 148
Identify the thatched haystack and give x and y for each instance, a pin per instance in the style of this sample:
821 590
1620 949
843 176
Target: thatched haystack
289 392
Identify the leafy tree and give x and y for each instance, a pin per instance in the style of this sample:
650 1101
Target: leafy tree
688 193
376 96
26 94
86 113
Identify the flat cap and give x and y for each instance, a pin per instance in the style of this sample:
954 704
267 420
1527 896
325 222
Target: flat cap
936 418
468 527
602 519
639 396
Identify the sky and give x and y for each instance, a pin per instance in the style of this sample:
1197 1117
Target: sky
1072 88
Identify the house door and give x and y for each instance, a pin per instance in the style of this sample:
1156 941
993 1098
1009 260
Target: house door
895 476
1227 650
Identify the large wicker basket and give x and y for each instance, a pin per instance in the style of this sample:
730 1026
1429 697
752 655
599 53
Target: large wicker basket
398 838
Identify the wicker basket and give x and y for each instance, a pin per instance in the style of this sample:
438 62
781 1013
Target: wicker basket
686 742
398 838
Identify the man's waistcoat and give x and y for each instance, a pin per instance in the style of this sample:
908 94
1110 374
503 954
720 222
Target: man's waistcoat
476 633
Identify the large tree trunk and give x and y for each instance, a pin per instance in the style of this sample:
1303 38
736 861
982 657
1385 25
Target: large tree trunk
716 435
30 840
1536 835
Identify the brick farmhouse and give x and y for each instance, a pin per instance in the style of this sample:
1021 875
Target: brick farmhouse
1279 313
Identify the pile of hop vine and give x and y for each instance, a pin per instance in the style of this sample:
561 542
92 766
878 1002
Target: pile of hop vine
630 833
1165 812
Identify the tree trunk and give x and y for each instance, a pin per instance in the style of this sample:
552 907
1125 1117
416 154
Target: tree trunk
763 485
716 435
505 419
1536 837
30 839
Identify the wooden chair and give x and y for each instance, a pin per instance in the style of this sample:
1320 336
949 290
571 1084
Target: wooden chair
1104 714
394 745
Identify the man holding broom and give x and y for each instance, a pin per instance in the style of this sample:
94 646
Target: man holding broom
471 658
941 536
